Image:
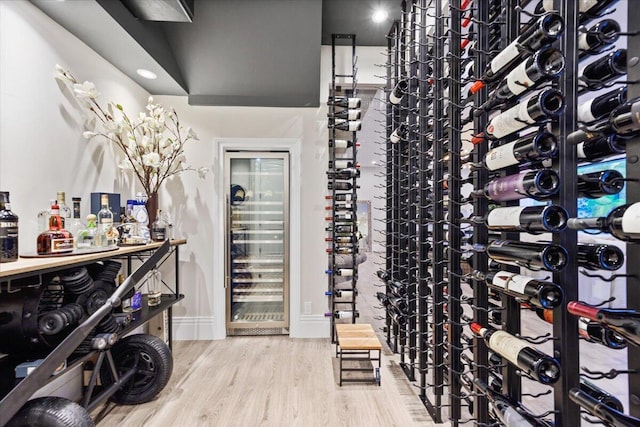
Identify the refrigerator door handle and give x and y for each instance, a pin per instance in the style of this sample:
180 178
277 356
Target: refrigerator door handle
227 244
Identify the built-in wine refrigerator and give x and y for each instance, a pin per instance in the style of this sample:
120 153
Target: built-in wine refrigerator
257 228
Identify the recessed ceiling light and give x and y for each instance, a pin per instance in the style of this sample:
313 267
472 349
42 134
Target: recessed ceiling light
146 73
379 15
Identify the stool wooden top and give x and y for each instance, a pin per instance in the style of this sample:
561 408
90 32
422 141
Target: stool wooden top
357 337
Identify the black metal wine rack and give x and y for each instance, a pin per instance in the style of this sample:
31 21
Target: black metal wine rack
342 254
431 48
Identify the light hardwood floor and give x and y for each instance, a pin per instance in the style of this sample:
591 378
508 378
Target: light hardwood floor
276 381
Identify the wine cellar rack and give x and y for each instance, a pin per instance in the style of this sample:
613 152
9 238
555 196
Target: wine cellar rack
342 232
440 125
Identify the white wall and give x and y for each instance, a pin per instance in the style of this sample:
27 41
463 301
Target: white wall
42 151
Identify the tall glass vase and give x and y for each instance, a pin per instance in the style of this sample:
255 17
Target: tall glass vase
152 207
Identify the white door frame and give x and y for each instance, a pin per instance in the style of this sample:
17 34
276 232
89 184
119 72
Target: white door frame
293 146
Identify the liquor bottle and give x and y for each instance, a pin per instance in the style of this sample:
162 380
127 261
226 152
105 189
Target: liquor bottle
344 124
597 38
623 223
623 121
508 413
346 173
536 292
342 272
340 185
400 133
348 114
594 256
626 322
548 256
547 104
595 333
603 70
342 197
105 220
551 218
398 92
537 183
542 32
600 147
56 240
91 236
601 106
76 225
338 164
343 314
43 217
8 230
598 409
65 211
342 143
159 228
546 64
538 365
343 101
599 184
530 148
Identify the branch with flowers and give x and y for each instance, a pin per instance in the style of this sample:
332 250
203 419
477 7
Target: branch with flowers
153 142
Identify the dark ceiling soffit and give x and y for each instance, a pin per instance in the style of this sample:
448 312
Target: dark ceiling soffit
152 39
293 101
164 11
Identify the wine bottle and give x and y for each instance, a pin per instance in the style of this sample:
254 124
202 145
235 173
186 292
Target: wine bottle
343 250
548 256
626 322
623 223
398 288
342 239
600 147
603 70
342 272
341 206
342 216
348 114
599 184
400 133
623 121
400 304
398 92
594 256
601 395
551 218
8 230
343 101
597 38
546 104
598 409
546 64
537 183
595 333
344 124
346 173
590 9
338 164
530 148
343 228
343 314
538 293
340 185
383 275
601 106
343 294
544 31
342 197
535 363
342 143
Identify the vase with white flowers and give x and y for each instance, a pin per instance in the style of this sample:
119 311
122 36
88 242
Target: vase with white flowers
152 142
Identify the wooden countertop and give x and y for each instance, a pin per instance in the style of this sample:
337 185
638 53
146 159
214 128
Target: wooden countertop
29 265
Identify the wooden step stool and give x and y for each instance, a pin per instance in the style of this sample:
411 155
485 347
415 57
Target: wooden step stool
353 341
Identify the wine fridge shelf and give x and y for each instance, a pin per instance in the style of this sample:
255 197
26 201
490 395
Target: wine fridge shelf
434 127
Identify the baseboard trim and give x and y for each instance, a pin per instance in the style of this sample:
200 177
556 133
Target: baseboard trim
188 328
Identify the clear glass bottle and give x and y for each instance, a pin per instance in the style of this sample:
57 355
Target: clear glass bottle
159 228
91 236
43 217
142 216
65 211
56 239
8 230
154 288
105 221
76 225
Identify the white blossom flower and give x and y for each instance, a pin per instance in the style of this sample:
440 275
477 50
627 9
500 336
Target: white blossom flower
151 159
192 134
88 134
202 172
85 90
126 165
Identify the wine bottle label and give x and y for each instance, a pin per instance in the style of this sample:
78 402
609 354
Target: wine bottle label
506 345
510 281
507 188
341 164
510 121
584 112
505 217
518 81
340 143
346 272
586 5
347 197
501 157
353 114
583 323
61 245
503 58
631 219
511 417
582 42
580 150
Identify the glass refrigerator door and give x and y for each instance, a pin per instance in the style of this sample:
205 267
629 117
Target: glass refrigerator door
257 224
